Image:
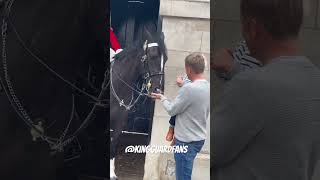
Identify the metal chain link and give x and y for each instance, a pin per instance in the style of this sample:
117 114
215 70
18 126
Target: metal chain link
147 79
56 144
121 102
15 102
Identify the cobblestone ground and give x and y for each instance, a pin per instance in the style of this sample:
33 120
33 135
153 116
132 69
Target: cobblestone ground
130 166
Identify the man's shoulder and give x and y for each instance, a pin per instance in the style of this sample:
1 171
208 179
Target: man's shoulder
197 83
247 83
277 74
186 87
248 76
202 84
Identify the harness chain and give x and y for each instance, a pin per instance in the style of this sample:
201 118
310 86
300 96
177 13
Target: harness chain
121 101
14 100
54 143
57 144
147 78
50 69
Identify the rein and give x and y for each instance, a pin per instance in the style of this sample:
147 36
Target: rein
37 131
145 86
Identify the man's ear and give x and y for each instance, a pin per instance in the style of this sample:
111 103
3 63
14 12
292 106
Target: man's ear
189 70
257 30
253 29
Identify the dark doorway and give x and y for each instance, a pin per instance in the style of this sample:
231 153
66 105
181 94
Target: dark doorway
126 18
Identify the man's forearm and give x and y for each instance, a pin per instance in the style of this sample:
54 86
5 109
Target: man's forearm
167 105
178 105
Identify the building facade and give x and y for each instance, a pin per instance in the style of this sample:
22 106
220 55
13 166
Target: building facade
186 26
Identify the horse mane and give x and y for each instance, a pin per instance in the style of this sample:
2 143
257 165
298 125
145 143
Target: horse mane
137 45
129 51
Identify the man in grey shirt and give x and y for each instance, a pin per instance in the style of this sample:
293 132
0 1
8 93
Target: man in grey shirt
266 125
192 108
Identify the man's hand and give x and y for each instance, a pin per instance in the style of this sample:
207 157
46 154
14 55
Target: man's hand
156 96
179 80
222 60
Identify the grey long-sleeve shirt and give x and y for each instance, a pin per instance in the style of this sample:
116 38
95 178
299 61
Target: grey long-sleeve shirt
266 125
192 107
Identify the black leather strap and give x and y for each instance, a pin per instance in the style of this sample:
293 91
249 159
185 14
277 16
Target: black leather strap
2 2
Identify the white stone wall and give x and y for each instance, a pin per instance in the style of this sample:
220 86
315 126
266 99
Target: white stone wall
186 26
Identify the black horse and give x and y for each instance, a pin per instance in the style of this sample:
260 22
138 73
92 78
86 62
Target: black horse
135 73
47 47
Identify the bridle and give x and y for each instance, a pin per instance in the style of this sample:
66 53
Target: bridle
147 78
37 131
148 74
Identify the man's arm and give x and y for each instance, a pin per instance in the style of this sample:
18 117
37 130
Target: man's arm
236 120
181 102
235 68
241 61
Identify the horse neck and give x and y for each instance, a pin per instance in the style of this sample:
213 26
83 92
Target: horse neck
128 69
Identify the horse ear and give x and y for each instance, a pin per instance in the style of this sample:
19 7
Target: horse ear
147 31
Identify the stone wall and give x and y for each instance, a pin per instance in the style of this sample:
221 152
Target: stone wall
226 32
186 26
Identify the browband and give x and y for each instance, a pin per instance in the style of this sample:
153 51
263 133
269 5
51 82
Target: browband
153 45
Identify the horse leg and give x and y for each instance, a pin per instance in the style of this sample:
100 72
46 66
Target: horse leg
113 152
113 175
118 120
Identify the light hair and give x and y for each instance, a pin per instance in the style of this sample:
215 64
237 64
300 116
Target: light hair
196 61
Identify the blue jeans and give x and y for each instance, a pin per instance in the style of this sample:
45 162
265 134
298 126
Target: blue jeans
184 161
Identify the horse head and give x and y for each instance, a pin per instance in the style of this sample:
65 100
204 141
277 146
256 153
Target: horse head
154 59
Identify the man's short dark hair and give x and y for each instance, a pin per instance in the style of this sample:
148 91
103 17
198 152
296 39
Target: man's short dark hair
196 61
281 18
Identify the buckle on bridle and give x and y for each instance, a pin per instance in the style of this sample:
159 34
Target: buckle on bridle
145 45
146 76
144 58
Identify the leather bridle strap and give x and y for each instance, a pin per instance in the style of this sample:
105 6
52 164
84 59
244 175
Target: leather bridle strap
146 63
